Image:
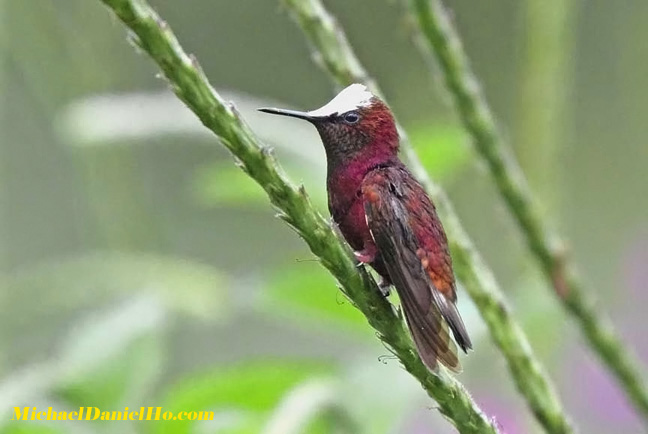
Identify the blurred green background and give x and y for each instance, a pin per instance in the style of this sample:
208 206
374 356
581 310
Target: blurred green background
140 268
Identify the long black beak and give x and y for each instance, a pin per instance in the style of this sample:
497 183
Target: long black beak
291 113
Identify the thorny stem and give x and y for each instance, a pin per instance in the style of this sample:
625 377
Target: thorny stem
444 43
333 52
190 84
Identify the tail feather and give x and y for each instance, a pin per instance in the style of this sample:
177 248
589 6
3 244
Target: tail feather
452 316
430 334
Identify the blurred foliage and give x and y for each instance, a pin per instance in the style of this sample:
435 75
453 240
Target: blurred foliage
303 291
22 429
226 185
223 184
443 149
70 283
123 368
253 388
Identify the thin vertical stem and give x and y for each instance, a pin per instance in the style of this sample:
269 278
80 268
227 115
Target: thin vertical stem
444 43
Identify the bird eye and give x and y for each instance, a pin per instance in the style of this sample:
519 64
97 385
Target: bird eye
351 117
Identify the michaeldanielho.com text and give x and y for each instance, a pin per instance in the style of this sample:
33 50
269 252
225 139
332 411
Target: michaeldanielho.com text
94 413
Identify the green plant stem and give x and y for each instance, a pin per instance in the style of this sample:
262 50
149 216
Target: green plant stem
443 41
334 53
189 83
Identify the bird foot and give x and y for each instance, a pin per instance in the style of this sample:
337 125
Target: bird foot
365 256
385 287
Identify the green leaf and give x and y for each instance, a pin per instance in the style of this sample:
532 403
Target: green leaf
441 148
254 387
304 291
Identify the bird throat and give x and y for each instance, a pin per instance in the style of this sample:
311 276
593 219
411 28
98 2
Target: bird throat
345 175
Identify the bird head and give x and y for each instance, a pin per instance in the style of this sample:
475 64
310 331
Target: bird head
355 122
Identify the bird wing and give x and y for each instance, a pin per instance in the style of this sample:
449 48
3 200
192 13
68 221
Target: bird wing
399 226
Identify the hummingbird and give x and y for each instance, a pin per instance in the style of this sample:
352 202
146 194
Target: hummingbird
388 219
